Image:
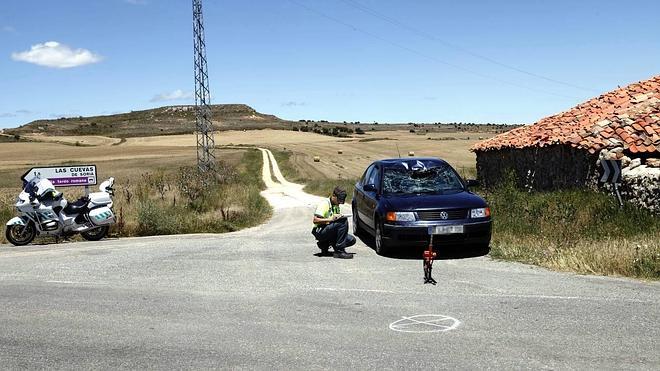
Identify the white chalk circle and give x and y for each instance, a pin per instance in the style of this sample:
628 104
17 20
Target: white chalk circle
423 323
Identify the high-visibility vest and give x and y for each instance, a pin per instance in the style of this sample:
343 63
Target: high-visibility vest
325 210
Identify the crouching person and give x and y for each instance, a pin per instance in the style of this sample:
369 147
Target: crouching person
331 227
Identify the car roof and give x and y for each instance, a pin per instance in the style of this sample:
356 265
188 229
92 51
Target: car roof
392 162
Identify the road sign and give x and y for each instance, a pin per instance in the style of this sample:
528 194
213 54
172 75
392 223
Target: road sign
611 171
64 176
612 174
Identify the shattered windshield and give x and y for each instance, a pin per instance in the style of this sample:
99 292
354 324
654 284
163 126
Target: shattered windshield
439 178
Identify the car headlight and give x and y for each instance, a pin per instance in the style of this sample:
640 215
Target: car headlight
400 216
482 212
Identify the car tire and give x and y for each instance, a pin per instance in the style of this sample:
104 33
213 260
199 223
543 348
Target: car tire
482 249
382 247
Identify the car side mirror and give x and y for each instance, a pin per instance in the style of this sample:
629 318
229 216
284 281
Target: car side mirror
473 183
370 188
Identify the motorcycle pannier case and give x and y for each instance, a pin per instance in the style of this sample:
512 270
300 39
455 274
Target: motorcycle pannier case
99 198
101 216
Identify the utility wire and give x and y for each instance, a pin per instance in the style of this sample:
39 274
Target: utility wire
427 56
429 36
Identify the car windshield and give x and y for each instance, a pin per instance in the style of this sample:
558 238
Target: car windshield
436 179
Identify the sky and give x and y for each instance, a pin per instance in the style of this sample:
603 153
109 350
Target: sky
339 60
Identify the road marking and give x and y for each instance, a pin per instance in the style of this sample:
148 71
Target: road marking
358 290
424 323
481 286
76 283
515 296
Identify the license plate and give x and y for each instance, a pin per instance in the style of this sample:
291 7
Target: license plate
446 229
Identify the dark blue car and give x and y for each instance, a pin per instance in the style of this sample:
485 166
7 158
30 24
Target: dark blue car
401 201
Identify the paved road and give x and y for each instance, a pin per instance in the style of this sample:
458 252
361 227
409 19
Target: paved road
260 299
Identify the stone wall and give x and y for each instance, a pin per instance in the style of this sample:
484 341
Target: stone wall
640 178
547 168
559 166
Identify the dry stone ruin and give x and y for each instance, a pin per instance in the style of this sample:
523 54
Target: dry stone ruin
564 150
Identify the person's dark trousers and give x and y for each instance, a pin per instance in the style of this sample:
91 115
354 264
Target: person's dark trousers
336 234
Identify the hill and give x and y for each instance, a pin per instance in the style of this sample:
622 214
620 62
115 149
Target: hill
158 121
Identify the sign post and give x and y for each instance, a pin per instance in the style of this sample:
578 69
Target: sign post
65 176
612 174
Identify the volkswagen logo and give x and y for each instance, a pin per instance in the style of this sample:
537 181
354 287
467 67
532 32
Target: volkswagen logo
444 215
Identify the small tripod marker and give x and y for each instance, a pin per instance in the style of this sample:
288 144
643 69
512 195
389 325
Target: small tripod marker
429 255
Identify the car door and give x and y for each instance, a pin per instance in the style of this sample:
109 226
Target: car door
371 197
360 195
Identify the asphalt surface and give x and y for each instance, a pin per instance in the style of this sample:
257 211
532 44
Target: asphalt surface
261 299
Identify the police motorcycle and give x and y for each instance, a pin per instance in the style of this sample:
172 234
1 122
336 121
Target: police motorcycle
45 212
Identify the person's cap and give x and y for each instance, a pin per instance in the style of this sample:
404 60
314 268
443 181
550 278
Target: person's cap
340 193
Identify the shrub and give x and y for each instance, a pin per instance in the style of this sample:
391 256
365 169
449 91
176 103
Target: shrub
577 230
155 219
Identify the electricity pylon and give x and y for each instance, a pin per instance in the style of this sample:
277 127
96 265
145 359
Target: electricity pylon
204 126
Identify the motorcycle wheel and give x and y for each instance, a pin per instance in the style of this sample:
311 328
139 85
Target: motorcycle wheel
19 235
95 234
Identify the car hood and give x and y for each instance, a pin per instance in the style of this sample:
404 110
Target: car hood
459 200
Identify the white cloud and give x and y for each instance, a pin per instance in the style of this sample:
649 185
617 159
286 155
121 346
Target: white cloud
293 104
56 55
16 113
175 95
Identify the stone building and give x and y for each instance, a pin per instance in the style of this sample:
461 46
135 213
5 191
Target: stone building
563 150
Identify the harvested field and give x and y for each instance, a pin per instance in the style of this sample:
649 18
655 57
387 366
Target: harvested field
82 140
357 152
122 162
130 158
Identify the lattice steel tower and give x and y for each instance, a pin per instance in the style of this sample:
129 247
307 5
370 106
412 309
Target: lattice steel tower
205 142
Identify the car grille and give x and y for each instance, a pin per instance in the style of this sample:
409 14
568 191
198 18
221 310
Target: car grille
436 214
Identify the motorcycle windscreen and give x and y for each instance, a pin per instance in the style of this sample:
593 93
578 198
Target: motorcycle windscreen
101 216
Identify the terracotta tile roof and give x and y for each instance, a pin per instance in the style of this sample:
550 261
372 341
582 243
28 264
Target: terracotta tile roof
628 117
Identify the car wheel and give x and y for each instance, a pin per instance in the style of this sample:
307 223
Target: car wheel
483 249
381 245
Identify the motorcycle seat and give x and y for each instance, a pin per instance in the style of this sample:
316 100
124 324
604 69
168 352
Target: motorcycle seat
76 206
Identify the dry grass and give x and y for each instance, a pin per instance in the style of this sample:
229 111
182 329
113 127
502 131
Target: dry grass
631 257
132 167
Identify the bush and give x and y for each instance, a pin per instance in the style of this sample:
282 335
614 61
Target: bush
156 219
576 230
